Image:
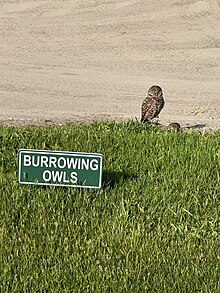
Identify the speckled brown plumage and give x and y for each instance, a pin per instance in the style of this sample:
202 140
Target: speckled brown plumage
152 105
174 126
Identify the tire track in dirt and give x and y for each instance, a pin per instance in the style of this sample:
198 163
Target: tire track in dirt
213 7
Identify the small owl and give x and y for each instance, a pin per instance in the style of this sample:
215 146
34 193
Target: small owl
153 104
174 126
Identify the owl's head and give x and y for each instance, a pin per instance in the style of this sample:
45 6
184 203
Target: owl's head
155 91
174 126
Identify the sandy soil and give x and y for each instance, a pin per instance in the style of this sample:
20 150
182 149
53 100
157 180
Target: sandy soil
67 61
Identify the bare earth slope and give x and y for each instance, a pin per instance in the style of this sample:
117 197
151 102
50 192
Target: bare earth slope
82 60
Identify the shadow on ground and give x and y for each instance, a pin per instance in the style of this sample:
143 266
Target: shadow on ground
111 178
196 126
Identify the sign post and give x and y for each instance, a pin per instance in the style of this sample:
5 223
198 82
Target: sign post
60 168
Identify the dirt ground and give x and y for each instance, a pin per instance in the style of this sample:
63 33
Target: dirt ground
74 61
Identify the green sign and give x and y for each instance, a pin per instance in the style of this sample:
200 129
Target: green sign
60 168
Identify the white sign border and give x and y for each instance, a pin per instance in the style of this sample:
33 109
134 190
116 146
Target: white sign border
58 153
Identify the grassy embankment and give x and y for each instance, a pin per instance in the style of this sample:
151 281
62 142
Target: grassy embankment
152 227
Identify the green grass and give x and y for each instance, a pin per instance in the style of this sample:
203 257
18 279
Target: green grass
152 227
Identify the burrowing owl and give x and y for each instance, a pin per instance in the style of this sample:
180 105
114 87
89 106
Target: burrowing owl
153 104
174 126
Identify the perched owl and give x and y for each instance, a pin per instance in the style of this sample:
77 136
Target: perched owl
152 105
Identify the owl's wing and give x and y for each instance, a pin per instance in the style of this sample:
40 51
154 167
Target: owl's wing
146 109
158 107
160 104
